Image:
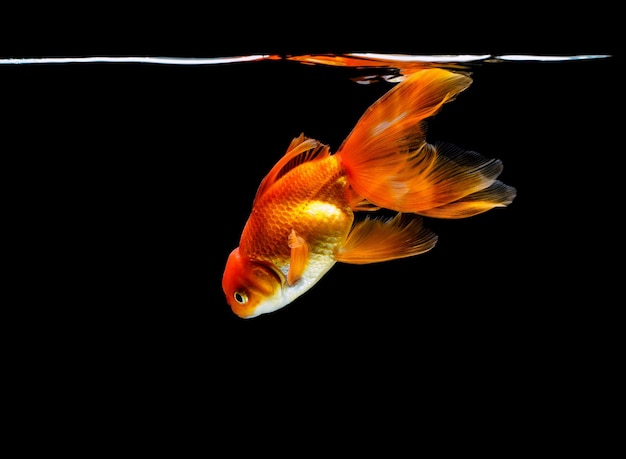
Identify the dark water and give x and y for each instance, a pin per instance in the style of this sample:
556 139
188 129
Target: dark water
136 181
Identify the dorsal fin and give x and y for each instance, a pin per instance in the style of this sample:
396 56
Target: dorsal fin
300 150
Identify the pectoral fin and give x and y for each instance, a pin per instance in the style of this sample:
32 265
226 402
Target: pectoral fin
299 257
375 240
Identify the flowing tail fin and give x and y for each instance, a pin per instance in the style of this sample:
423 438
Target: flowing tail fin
390 164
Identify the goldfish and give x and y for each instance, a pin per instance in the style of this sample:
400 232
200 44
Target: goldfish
316 208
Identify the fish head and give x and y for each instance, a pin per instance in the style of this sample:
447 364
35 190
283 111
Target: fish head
251 287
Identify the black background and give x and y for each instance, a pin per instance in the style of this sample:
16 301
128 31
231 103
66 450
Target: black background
132 184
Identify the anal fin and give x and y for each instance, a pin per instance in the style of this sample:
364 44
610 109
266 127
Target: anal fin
376 240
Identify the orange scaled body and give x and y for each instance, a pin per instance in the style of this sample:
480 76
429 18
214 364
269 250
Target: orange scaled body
303 216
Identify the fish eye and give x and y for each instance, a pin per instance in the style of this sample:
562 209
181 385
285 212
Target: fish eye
240 297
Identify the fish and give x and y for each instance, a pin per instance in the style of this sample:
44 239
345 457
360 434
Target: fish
316 208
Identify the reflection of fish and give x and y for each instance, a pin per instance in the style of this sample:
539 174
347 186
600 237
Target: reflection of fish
302 220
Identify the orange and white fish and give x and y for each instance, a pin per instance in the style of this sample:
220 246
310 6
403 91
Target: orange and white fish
303 216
